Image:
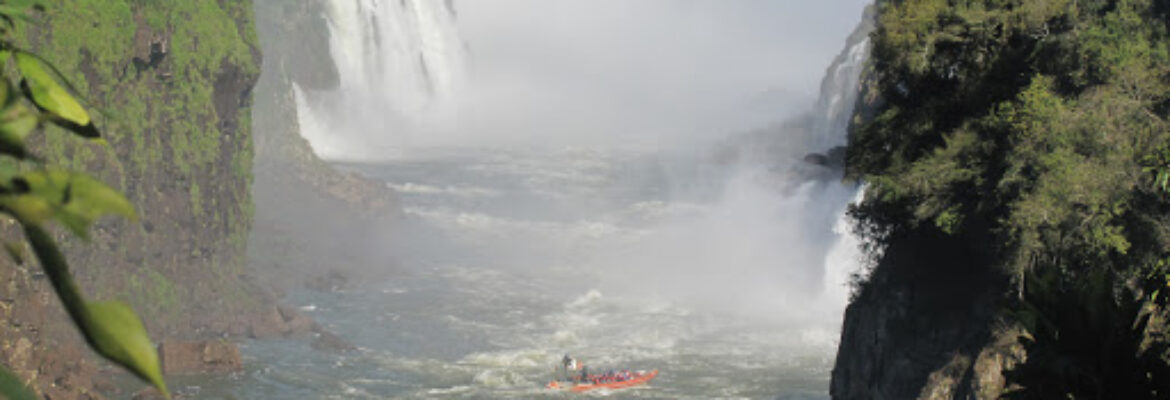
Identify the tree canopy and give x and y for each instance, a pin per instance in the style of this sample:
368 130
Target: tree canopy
1035 134
1040 123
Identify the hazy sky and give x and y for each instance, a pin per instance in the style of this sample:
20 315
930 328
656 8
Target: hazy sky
644 70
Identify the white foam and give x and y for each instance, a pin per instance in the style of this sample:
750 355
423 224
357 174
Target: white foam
509 358
401 66
592 297
447 190
501 378
454 390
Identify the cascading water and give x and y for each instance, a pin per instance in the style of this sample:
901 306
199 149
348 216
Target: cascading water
401 65
726 273
844 257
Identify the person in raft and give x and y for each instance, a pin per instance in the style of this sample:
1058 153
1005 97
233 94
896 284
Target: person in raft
570 365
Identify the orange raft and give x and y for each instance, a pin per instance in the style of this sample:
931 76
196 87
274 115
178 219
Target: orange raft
635 379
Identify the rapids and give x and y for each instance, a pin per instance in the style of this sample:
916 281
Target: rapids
722 263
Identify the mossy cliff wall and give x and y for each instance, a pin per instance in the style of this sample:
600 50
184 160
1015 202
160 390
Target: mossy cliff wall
171 82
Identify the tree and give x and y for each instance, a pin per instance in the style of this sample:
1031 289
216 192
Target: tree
1033 134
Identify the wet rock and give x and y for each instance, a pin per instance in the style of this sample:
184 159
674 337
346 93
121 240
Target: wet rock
817 159
185 357
329 282
295 322
268 324
234 327
281 320
328 341
301 324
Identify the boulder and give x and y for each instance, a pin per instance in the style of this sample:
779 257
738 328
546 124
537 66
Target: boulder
330 342
186 357
295 322
299 323
268 324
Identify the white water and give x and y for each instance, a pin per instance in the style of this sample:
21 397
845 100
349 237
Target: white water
401 66
728 274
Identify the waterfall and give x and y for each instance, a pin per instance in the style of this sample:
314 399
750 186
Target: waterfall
839 93
779 225
799 207
401 65
836 105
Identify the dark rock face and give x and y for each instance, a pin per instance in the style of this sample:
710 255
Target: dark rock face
187 357
918 331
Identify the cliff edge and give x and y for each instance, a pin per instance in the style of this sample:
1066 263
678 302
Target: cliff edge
1014 155
172 83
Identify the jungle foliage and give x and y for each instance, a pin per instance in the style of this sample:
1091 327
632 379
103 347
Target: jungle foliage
1035 133
34 193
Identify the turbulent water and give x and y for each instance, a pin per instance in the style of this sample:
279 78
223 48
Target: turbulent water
723 267
622 258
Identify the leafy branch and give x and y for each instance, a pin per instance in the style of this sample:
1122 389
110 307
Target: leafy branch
42 194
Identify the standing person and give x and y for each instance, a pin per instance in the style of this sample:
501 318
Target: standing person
569 366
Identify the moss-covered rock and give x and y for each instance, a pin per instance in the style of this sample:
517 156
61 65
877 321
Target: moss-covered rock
172 84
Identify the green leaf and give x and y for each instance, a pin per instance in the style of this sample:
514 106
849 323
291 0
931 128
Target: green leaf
73 199
16 124
12 388
16 120
111 328
117 334
51 97
15 12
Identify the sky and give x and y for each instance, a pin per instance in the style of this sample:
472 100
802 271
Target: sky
644 71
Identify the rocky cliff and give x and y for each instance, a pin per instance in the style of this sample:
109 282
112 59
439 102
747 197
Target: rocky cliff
913 329
1012 207
172 82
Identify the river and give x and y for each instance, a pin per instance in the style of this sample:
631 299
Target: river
723 263
513 258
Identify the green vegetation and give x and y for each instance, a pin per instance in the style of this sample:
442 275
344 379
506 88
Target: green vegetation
170 81
35 194
1034 135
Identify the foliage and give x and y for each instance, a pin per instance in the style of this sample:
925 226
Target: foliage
1083 342
36 194
172 80
1032 132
